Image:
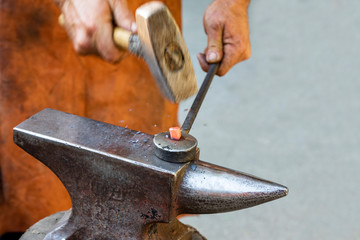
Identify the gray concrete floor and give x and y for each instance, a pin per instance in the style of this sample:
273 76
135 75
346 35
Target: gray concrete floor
290 114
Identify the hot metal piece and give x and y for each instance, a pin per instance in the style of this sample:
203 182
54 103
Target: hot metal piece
119 189
185 149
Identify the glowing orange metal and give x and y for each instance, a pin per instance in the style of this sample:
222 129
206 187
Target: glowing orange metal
175 133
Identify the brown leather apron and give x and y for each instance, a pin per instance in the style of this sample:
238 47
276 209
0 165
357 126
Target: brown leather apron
39 69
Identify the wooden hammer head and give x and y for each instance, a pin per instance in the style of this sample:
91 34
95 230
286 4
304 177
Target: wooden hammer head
165 51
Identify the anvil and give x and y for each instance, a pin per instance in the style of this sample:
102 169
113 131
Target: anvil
120 189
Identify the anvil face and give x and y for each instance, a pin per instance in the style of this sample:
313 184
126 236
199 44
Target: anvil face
118 186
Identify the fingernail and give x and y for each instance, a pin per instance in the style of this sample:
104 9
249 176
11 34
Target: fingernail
133 27
212 57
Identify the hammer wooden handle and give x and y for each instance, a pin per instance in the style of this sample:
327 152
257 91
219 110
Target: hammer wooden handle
122 37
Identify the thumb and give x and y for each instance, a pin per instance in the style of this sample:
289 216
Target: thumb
122 15
214 49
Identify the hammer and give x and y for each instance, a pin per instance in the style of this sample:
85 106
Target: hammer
160 42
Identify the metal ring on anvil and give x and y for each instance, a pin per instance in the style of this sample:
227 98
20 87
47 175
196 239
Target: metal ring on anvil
176 151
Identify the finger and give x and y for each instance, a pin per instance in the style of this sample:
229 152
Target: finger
78 32
235 51
82 41
223 68
230 59
59 3
214 29
122 15
203 63
80 37
105 44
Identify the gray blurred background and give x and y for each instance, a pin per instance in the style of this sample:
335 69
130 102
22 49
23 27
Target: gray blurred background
290 114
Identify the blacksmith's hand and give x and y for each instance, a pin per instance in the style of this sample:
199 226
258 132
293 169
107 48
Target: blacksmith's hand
227 28
90 25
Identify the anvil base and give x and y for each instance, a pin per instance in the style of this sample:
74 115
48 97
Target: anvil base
158 231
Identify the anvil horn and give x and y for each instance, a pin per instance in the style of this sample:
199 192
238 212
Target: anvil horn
208 188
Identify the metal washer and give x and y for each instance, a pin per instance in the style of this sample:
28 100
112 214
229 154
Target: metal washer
176 151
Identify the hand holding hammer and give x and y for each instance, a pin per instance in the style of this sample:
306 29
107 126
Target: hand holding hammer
225 23
90 25
160 42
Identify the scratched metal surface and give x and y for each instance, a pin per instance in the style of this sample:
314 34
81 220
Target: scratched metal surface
116 191
97 137
290 114
112 196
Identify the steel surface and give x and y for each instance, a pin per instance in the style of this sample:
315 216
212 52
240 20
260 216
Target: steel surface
119 188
